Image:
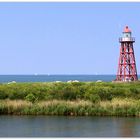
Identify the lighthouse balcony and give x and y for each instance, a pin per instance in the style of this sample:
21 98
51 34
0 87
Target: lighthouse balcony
126 39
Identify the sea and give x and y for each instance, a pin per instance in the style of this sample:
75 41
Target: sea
53 78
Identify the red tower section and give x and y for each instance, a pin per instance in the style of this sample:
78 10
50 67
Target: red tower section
127 65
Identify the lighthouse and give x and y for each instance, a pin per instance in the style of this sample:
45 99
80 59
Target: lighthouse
127 65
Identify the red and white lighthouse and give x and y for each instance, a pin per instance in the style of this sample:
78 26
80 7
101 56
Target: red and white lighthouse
127 65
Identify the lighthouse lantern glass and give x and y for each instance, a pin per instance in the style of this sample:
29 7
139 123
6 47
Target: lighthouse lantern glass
127 35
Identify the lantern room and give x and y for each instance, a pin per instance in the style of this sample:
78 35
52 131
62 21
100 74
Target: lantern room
127 35
127 32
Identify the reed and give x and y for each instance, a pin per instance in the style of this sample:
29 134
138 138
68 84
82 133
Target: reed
116 107
13 106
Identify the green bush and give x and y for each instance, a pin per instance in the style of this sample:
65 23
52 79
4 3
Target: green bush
92 95
31 98
3 95
105 94
94 98
69 93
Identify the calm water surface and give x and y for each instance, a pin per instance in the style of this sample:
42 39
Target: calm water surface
61 126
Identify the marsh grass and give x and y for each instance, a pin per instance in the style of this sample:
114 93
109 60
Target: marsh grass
116 107
13 106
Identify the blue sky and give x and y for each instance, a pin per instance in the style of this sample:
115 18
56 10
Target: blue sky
65 38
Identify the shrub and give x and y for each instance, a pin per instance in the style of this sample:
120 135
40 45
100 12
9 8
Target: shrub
105 94
31 98
69 93
3 95
94 98
134 90
118 92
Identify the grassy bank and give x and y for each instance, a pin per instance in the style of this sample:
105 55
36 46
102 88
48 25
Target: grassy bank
73 98
116 107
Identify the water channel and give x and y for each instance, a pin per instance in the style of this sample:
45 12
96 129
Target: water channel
62 126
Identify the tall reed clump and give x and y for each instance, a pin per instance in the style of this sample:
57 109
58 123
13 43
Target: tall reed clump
125 107
13 106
